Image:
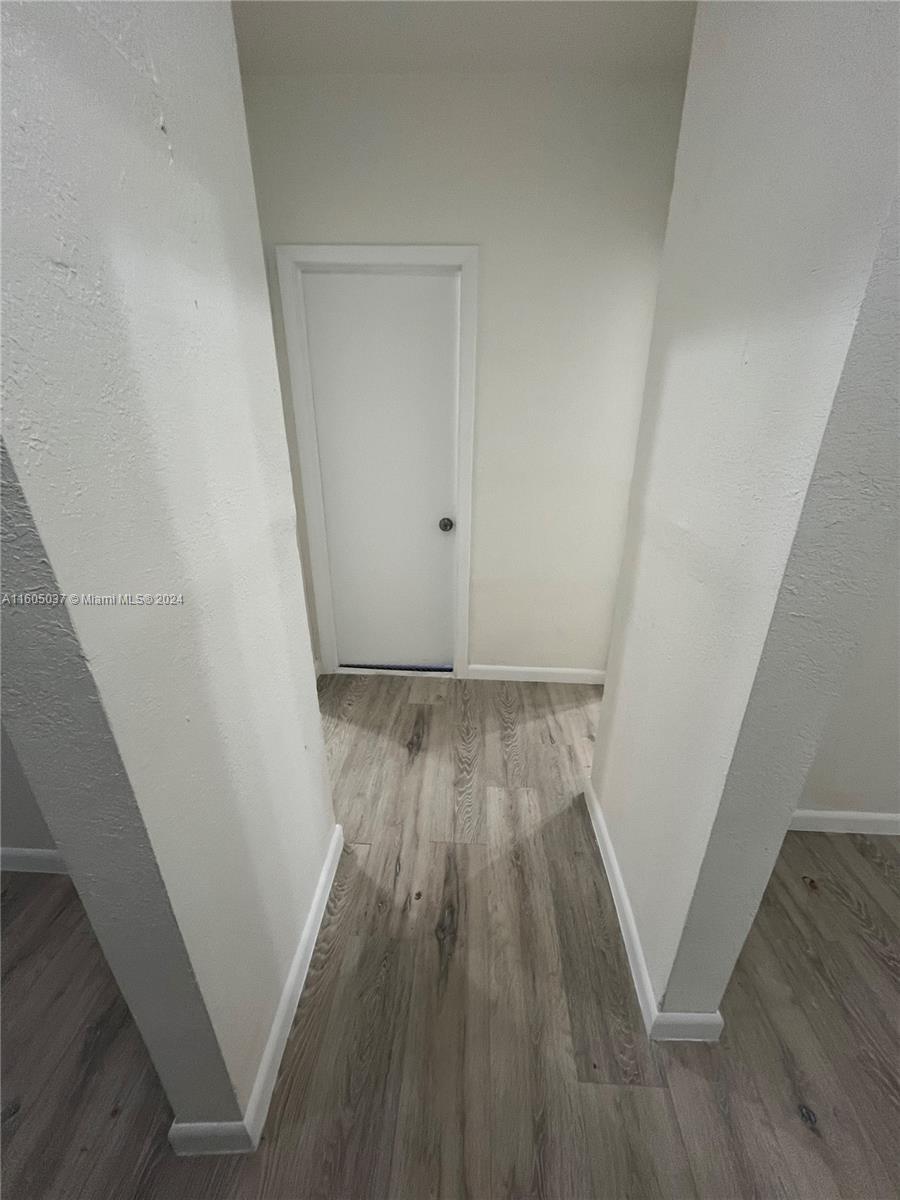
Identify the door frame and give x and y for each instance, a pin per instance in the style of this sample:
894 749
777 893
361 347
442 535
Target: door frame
291 261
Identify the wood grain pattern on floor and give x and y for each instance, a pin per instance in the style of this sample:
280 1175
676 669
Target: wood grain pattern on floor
468 1029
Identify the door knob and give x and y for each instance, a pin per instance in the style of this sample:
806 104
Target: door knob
445 524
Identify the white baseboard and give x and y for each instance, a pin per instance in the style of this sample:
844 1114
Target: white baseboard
536 674
210 1137
241 1137
686 1027
820 820
50 862
660 1026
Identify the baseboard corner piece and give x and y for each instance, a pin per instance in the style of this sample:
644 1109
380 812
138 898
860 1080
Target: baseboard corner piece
686 1027
189 1138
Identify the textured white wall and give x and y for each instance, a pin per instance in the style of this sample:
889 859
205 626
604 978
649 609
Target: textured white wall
21 825
840 560
785 166
57 723
143 416
857 766
563 182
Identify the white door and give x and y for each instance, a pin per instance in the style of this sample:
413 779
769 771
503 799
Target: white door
383 359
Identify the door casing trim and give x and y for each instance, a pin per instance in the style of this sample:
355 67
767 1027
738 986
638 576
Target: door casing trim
291 260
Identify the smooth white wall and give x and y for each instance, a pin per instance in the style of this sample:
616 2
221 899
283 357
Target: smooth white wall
563 182
143 416
786 162
857 766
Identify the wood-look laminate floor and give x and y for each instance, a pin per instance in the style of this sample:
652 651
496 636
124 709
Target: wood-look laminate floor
469 1028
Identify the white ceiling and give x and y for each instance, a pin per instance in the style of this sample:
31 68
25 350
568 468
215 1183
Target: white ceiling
346 35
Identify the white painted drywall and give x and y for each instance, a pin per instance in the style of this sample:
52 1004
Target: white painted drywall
562 180
21 825
857 766
274 38
843 555
785 167
57 723
144 418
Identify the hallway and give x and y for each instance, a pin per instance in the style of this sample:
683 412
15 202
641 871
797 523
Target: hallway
469 1027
